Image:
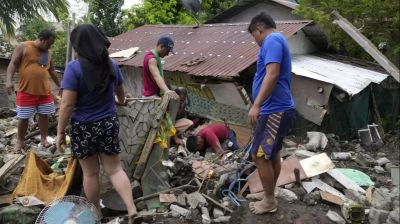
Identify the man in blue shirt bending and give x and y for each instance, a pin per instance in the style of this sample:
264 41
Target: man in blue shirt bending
272 112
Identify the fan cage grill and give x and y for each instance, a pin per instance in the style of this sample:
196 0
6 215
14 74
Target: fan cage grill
80 202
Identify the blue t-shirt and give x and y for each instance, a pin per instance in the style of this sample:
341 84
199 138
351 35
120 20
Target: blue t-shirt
274 50
89 107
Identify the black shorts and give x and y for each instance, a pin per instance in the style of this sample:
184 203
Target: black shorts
89 138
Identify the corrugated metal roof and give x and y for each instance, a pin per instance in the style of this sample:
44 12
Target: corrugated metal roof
228 48
350 78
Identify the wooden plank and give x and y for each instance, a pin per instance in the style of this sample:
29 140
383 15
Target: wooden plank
369 193
317 164
10 166
167 198
326 196
366 44
141 165
6 199
345 181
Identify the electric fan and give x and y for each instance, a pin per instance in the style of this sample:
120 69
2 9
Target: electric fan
69 210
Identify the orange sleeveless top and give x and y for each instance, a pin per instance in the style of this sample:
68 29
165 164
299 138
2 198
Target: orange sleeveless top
33 78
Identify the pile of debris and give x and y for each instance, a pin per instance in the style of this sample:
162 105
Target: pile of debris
358 180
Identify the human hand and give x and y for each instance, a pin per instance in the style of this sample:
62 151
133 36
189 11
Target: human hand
172 94
9 88
61 140
253 115
120 103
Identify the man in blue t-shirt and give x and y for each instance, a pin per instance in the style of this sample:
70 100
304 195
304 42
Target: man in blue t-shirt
272 112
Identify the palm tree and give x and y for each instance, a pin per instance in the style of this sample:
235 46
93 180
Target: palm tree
11 10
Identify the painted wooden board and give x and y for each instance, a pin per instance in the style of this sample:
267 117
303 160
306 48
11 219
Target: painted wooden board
317 164
345 181
326 196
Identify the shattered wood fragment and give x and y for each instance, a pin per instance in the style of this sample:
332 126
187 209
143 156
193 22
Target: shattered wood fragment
10 167
11 132
5 199
326 196
167 198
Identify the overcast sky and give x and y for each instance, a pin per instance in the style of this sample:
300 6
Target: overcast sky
80 8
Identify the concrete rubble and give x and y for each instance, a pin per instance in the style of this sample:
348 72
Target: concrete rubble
197 188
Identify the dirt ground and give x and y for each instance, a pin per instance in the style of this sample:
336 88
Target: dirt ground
295 213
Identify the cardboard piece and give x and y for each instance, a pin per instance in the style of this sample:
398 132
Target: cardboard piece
286 177
317 164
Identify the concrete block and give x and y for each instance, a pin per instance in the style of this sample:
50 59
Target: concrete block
394 217
205 216
221 219
365 160
379 169
356 196
381 199
178 211
217 213
382 161
196 200
377 216
335 217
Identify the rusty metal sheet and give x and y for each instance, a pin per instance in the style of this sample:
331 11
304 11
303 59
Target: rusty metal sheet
227 48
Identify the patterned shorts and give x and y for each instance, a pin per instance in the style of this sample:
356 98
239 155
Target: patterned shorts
269 133
89 138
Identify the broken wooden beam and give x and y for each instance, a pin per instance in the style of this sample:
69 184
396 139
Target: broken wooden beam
10 166
217 203
366 44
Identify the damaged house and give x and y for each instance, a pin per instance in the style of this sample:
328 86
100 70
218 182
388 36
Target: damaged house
216 63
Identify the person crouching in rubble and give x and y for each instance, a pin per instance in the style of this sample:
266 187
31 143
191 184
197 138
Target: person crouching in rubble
212 136
182 124
89 87
272 112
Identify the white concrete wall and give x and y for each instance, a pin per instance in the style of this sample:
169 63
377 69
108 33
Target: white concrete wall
276 11
300 44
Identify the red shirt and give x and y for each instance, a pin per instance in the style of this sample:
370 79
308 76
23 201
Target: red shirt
149 86
214 133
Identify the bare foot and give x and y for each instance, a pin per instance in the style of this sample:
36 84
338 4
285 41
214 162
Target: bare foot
262 207
18 146
256 196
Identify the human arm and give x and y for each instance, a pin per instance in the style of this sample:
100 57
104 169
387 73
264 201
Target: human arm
120 95
53 75
267 86
155 74
12 67
68 101
271 57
